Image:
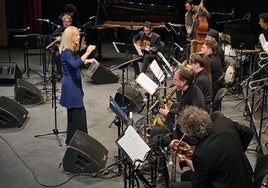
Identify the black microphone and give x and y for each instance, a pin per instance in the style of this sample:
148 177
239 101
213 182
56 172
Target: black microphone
27 28
174 59
233 12
92 17
19 30
44 20
178 46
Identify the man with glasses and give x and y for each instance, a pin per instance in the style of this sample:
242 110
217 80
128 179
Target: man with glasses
190 95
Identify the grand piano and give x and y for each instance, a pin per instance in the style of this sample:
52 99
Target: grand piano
129 16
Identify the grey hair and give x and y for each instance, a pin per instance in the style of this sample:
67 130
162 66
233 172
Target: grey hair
194 122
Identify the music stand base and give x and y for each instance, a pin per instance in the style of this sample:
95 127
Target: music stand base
118 164
28 70
55 132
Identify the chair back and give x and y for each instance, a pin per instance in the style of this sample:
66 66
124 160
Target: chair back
33 41
217 84
216 104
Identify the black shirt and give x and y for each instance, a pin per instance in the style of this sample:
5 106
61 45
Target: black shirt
204 84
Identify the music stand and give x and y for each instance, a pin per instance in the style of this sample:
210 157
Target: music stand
127 48
120 113
136 151
242 42
122 119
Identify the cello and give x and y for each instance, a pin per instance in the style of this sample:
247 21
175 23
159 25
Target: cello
198 31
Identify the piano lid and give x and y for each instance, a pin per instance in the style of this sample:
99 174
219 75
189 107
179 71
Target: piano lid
115 10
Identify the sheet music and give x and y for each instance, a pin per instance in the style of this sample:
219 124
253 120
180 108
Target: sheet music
133 145
138 48
147 83
115 46
264 43
159 74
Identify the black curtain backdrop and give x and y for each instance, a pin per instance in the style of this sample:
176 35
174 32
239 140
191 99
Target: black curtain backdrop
24 13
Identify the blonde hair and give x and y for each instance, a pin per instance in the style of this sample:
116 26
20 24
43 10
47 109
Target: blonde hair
67 40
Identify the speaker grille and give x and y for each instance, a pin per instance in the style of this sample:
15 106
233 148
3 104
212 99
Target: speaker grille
26 93
84 154
9 72
11 113
133 99
101 75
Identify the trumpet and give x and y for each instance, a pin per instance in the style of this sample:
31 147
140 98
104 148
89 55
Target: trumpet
256 83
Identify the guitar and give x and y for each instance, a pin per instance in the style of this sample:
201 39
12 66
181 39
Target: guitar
144 45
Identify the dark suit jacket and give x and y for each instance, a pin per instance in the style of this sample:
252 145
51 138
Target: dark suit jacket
219 160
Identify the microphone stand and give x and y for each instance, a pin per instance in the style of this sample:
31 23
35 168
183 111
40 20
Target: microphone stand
55 131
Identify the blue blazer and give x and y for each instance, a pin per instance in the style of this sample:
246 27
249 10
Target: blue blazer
71 88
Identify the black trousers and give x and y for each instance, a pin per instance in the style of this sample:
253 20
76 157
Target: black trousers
76 120
147 59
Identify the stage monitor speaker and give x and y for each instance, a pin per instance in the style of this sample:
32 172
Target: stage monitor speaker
84 154
12 114
133 99
101 75
9 72
27 93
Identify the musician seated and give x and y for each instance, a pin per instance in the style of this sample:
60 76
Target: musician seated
190 95
216 142
209 49
214 36
150 42
201 67
161 135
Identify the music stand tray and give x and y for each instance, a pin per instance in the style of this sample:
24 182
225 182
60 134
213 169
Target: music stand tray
243 41
120 113
127 48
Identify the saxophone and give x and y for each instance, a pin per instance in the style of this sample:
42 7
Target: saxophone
162 101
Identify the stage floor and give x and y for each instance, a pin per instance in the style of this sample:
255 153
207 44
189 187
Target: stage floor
30 162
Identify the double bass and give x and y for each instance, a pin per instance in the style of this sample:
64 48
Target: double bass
198 31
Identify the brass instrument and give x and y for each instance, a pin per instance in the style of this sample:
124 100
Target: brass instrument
162 101
183 151
156 119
